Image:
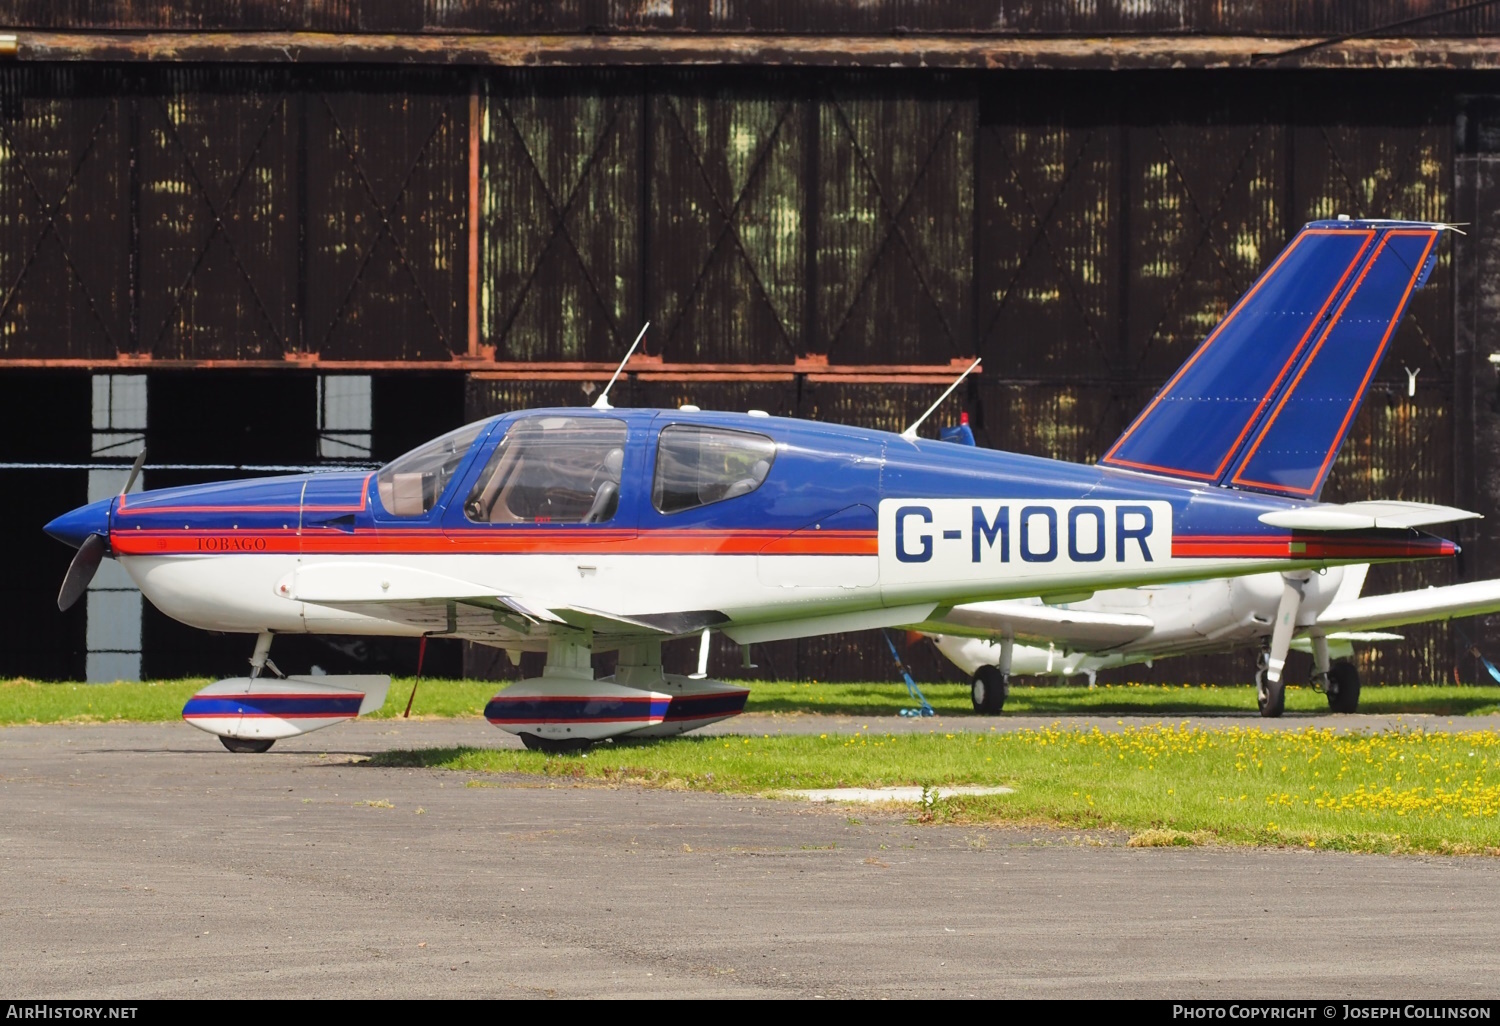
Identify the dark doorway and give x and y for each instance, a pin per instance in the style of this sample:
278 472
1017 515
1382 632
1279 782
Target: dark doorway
409 409
44 418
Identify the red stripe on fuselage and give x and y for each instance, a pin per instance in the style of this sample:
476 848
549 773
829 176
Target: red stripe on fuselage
533 541
1204 546
505 541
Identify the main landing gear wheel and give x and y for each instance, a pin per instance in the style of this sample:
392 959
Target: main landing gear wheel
241 745
555 746
989 689
1342 688
1271 697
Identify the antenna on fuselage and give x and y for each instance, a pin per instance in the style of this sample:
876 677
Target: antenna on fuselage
911 432
602 403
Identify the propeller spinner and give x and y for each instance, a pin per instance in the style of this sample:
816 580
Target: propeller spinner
88 529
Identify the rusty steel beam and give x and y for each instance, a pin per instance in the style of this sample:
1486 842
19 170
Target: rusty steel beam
641 367
473 226
978 52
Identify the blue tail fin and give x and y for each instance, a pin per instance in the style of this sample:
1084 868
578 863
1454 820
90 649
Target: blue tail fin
1265 402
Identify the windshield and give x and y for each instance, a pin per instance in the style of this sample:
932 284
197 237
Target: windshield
411 485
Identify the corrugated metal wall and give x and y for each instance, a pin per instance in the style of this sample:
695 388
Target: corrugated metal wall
1080 231
232 213
844 17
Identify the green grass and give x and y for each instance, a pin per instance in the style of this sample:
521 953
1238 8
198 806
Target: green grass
24 701
1128 699
1164 785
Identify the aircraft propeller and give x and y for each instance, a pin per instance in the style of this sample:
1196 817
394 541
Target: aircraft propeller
81 571
86 560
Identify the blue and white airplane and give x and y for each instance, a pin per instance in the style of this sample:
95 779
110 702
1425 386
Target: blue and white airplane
575 531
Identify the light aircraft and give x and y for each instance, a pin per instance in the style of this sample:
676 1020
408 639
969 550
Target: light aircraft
990 641
575 531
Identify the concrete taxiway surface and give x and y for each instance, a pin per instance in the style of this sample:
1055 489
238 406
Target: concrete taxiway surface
144 860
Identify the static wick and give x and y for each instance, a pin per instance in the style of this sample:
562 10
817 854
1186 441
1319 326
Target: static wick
602 403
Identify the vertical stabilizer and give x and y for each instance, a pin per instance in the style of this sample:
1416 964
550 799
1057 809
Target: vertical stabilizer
1266 401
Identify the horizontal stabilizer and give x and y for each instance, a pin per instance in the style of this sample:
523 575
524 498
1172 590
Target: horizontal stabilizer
1038 624
1375 612
1361 516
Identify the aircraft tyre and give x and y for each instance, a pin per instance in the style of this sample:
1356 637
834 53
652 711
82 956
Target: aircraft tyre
242 745
989 689
555 746
1343 688
1270 697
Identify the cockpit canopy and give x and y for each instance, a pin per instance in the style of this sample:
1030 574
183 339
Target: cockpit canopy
557 468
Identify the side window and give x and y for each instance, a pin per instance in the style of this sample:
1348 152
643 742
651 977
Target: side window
411 485
696 466
552 470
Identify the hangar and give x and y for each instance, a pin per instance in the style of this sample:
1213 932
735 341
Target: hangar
258 234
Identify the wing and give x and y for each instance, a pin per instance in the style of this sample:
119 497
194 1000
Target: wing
439 604
1378 611
1039 624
